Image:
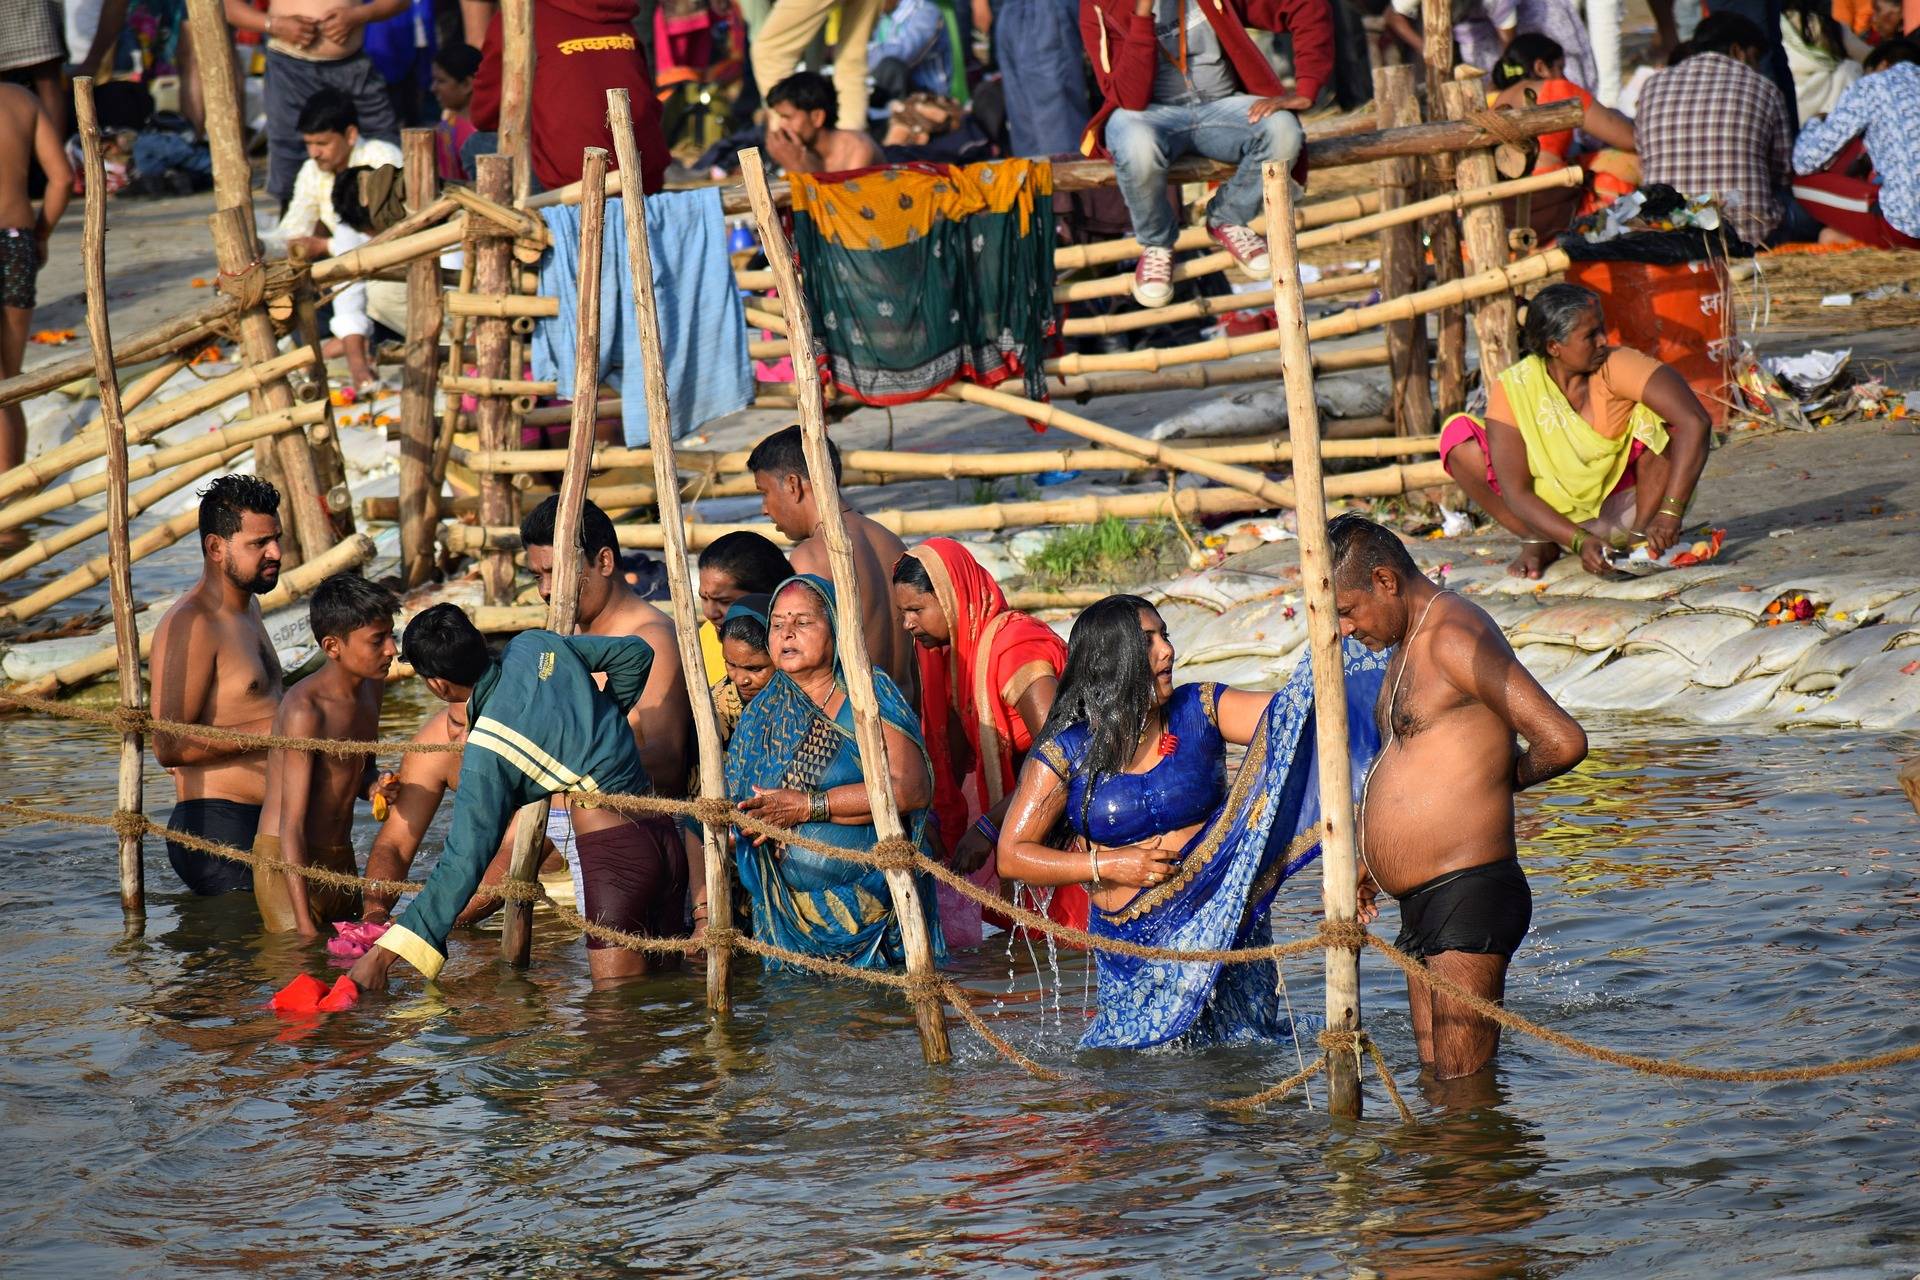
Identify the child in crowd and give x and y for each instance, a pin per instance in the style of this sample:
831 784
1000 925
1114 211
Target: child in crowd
307 819
453 71
26 133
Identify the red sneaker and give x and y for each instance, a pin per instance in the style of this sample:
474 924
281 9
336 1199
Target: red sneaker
1153 278
1248 249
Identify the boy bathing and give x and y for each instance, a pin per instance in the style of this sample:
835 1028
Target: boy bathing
307 819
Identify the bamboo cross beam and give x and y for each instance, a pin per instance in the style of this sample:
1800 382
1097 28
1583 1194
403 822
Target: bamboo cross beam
95 571
243 432
349 553
510 306
850 639
1217 305
1199 377
1319 214
716 883
569 562
154 419
1337 868
133 695
169 335
1455 293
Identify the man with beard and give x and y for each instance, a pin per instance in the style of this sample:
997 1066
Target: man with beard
213 665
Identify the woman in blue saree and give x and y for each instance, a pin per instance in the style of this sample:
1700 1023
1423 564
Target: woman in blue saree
1174 855
792 761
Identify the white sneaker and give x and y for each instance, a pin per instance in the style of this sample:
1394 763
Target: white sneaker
1153 277
1247 248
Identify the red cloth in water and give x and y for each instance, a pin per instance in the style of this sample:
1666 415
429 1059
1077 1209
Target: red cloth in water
344 996
305 995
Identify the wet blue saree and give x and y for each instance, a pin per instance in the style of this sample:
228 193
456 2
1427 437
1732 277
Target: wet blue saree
1224 883
802 900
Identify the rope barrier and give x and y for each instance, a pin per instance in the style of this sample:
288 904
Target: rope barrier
900 854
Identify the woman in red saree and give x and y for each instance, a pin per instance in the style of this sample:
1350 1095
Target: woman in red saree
987 679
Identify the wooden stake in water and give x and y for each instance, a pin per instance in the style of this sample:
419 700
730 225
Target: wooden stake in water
1484 227
563 606
1338 875
1402 259
417 488
849 639
493 273
706 725
126 637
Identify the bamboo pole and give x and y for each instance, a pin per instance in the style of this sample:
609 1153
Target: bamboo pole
516 96
95 571
1484 227
370 259
239 253
1450 366
225 123
323 442
1218 305
246 431
1319 214
133 696
850 641
496 388
1356 320
563 605
686 611
152 420
422 369
1200 377
1380 482
450 411
1339 884
349 553
1401 260
476 304
169 335
114 518
493 273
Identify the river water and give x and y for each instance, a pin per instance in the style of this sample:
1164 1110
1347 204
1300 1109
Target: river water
1742 901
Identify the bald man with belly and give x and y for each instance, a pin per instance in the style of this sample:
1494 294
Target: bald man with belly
314 45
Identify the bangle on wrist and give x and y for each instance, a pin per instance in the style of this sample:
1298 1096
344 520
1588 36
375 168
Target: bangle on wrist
817 807
1673 507
268 29
987 829
1579 541
1093 860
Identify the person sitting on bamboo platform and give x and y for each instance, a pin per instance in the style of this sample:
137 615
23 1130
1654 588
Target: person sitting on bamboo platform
1174 855
792 761
1586 446
539 723
307 817
1183 77
733 566
1436 810
779 467
1533 69
987 681
798 136
213 665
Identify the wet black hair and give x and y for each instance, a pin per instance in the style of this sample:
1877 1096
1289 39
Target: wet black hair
781 454
909 572
750 560
1552 314
597 533
442 643
459 60
1720 33
1891 52
1516 64
226 500
1108 683
1358 546
805 90
746 628
346 602
328 111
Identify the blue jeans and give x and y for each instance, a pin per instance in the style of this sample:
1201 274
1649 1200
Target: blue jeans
1038 46
1145 143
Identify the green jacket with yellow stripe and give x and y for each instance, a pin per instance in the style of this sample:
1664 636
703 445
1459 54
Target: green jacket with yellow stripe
538 724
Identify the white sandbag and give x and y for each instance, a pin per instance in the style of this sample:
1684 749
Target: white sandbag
1262 410
1877 694
1584 665
1262 628
1687 636
1633 682
1823 666
1249 671
1755 651
1592 625
1660 585
1545 661
1222 589
1747 700
1559 578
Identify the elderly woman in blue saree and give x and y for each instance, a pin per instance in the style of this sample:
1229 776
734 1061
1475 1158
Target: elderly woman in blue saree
792 761
1175 855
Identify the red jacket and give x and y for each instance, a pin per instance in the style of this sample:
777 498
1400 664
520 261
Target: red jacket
1125 53
582 48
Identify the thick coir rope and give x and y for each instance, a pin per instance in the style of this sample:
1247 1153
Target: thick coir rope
137 720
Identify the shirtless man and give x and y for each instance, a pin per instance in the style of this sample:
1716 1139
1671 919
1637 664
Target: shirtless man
314 45
786 496
1436 820
798 135
307 819
213 665
26 132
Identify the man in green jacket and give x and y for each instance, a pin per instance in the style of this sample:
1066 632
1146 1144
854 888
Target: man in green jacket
538 724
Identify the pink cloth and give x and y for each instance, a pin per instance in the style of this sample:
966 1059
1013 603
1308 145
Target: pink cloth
352 940
1462 427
